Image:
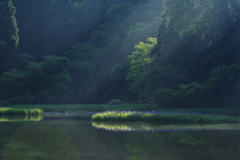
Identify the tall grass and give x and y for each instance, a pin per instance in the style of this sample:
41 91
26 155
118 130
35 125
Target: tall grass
164 117
19 111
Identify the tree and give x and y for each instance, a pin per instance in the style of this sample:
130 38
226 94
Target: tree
90 35
31 16
139 32
42 82
83 83
139 63
194 38
8 33
58 37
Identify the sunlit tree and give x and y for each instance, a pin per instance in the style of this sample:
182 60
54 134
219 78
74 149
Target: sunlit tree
139 63
8 33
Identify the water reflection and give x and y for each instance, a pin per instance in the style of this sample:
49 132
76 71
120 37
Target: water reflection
155 127
20 118
41 141
76 139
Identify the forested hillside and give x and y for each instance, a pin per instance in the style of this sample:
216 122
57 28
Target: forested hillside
67 48
196 60
177 53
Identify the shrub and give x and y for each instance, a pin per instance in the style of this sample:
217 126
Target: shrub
115 101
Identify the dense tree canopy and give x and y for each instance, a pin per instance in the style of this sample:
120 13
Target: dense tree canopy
85 51
197 60
67 48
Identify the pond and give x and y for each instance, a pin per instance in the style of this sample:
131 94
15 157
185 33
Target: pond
77 138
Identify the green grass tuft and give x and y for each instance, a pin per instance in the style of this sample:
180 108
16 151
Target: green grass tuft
19 111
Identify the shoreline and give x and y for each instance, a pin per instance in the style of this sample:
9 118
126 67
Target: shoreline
68 113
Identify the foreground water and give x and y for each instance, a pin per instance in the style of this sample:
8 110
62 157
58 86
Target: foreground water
77 138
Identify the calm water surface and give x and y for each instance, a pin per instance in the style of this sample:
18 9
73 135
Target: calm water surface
76 138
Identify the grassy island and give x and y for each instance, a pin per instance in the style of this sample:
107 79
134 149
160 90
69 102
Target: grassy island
20 111
164 116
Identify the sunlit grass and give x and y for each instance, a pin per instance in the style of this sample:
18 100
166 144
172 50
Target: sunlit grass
164 117
128 127
20 111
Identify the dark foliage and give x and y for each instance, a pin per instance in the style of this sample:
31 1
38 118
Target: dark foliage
82 51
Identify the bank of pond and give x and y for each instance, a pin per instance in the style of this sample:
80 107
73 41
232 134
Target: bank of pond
163 116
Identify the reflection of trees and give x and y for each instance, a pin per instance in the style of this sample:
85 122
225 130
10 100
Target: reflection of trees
181 142
75 141
41 141
20 118
5 133
98 144
207 145
187 143
218 145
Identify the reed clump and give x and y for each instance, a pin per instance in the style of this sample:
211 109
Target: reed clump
164 116
19 111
